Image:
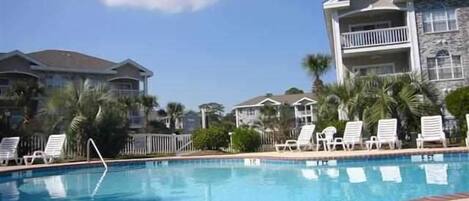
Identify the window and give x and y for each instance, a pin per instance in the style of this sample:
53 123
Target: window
444 66
4 82
55 81
376 69
250 112
439 20
369 26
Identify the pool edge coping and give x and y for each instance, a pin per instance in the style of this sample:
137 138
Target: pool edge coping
367 155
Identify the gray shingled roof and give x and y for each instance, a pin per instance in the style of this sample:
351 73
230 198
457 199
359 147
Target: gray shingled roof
70 60
288 99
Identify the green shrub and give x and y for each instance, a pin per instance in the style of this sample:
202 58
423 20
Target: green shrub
246 140
212 138
457 104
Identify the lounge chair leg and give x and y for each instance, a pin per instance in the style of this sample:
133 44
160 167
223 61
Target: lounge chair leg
19 161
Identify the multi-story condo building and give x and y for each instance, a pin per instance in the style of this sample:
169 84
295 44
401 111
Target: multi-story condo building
385 37
303 107
53 69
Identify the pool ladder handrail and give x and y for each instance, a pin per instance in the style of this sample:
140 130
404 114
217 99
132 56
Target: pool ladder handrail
91 141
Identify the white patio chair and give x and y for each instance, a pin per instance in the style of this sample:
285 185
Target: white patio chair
352 136
304 140
325 137
52 151
432 131
8 150
387 133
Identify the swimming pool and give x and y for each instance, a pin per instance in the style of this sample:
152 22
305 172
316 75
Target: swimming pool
382 178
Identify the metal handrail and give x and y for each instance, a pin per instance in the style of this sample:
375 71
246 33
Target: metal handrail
91 141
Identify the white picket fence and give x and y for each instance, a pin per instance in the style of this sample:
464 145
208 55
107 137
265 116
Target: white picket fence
141 144
29 144
137 144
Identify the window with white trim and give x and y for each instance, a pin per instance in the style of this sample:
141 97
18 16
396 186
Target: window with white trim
250 112
444 66
440 20
376 69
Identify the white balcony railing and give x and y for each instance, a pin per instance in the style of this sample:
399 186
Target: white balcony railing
127 92
375 37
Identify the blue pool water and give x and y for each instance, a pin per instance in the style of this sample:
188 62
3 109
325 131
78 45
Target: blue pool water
396 178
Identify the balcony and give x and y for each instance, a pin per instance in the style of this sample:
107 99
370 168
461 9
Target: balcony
127 92
304 113
375 37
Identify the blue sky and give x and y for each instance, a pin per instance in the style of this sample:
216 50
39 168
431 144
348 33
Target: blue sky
201 51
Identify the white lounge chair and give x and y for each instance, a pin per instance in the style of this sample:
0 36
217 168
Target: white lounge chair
325 137
8 147
432 131
352 136
304 140
467 135
52 151
387 133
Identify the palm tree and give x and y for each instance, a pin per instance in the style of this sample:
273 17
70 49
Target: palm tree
174 111
24 95
148 103
404 97
317 65
77 107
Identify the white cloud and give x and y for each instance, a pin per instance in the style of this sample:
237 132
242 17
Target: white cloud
171 6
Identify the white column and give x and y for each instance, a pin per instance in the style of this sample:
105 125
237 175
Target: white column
296 115
413 37
337 47
145 85
237 118
204 121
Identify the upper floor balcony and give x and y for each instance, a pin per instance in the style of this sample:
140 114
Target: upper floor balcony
375 37
127 92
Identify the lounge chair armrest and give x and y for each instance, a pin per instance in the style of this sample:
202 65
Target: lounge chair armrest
39 153
291 142
338 139
419 136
